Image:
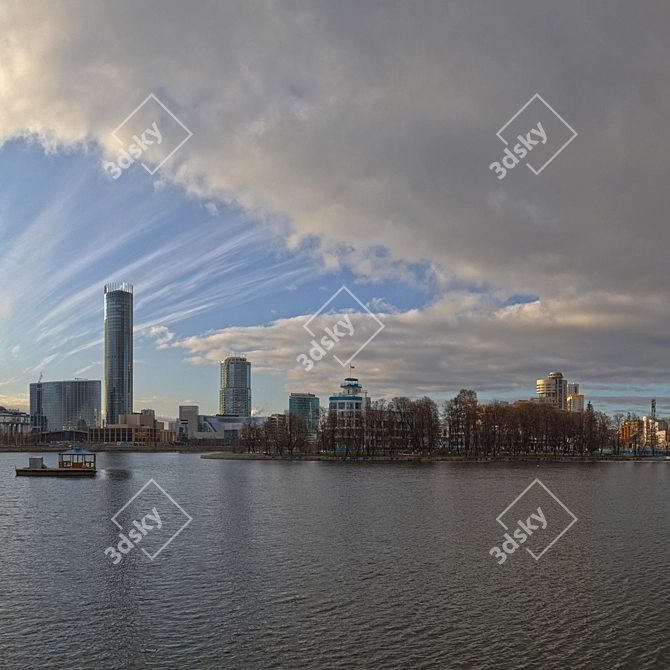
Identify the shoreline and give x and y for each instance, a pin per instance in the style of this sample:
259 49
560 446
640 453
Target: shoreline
432 459
212 454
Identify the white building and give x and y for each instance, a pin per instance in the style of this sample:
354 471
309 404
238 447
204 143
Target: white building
14 422
554 390
350 401
575 401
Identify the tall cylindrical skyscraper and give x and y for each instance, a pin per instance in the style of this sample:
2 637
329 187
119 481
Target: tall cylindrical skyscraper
118 350
235 393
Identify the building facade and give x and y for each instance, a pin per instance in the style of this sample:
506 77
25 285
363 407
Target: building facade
630 428
65 405
351 400
188 421
654 432
235 389
575 401
553 390
14 422
118 350
305 406
133 429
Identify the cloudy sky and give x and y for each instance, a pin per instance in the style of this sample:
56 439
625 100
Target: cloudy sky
338 143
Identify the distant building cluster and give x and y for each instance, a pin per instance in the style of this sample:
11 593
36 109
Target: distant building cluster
559 393
647 430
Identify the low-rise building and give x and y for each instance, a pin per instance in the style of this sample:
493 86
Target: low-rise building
217 427
352 400
134 428
14 422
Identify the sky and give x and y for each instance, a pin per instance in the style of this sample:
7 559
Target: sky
330 144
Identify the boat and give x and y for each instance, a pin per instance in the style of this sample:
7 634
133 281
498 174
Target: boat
75 462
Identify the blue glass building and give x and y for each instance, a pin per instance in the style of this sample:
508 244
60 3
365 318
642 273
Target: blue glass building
306 406
65 405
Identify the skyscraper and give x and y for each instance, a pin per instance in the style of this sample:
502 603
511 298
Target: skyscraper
118 350
235 392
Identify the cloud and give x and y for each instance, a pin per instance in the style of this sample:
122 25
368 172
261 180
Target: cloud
361 133
340 124
447 346
162 336
20 401
88 367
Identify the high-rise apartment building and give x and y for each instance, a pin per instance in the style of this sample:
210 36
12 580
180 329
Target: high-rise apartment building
305 406
553 390
65 405
235 391
118 350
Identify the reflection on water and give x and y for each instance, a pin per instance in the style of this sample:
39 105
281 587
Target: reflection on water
319 565
115 474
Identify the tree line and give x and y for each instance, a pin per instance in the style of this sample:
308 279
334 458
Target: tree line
461 426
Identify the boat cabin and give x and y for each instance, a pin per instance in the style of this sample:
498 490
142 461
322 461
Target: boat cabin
77 458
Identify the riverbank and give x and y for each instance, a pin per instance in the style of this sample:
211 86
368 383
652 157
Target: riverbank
415 458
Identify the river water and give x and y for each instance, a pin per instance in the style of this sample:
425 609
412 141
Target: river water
331 565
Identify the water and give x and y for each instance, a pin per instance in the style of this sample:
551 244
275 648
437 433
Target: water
333 565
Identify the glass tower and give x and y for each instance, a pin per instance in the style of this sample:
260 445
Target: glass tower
306 406
118 350
66 405
235 392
